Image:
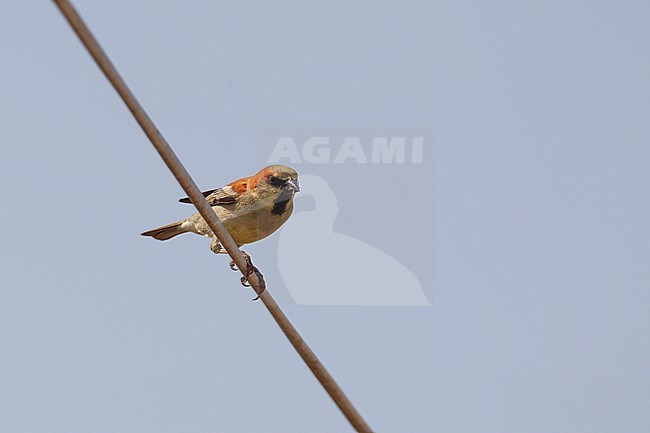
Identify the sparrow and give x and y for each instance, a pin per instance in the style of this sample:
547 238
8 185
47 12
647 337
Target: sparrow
250 208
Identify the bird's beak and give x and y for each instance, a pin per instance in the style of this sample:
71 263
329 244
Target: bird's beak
293 184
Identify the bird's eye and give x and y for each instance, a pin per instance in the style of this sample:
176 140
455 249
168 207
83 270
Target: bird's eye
275 181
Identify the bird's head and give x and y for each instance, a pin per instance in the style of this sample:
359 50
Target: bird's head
278 179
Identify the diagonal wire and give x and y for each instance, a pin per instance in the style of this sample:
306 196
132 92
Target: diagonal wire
189 186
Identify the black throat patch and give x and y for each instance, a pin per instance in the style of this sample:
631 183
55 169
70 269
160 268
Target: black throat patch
280 203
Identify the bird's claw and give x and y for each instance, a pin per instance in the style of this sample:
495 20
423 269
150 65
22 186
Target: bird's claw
250 270
262 284
249 262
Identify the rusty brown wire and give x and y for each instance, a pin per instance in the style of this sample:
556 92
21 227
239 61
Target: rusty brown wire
191 189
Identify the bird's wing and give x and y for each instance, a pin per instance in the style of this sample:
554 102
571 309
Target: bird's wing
226 195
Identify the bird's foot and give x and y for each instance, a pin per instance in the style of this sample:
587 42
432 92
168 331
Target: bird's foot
216 247
249 262
260 278
250 270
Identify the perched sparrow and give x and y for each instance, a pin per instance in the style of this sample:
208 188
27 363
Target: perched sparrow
250 208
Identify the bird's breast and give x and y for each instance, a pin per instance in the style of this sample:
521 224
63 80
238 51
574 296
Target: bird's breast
251 223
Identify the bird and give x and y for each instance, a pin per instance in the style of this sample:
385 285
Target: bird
250 208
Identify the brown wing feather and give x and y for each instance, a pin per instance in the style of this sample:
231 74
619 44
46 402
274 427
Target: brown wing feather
215 197
226 195
205 194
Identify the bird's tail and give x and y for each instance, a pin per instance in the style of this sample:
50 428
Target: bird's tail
167 232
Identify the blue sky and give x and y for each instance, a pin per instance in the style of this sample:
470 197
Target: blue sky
526 223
